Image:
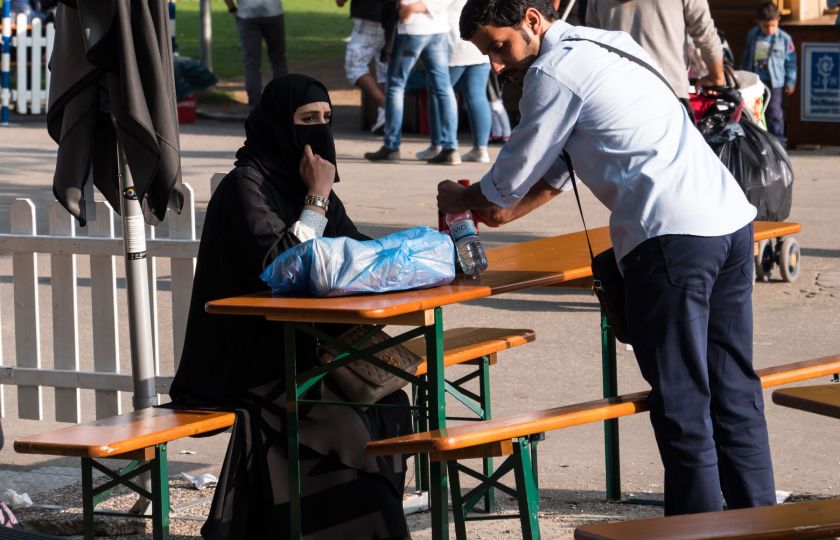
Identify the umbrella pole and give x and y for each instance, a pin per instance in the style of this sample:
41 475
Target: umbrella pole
139 317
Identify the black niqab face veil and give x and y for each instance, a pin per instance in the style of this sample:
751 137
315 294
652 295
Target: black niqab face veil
274 143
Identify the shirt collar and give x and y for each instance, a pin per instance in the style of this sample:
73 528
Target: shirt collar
556 33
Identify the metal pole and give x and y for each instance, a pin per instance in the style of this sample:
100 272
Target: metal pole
139 318
6 63
206 37
567 10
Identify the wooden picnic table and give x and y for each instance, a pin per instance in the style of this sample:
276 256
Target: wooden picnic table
550 261
821 399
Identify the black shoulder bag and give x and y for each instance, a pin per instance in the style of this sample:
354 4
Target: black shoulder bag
607 281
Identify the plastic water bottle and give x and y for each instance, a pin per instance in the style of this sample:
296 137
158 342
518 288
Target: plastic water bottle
471 255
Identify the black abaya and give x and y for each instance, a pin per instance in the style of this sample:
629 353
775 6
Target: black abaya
235 362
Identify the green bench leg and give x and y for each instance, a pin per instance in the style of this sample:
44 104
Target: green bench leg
527 491
87 498
484 394
459 516
159 494
160 491
524 466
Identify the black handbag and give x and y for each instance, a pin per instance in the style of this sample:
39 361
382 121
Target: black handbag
607 281
361 381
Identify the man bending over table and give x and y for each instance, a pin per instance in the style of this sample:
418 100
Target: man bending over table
680 226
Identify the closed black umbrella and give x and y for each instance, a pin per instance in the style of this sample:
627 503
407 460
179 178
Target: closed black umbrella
112 81
112 112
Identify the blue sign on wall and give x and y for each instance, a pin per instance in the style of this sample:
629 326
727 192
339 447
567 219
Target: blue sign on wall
821 82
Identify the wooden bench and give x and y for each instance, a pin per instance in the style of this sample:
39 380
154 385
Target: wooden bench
140 436
512 436
791 521
467 346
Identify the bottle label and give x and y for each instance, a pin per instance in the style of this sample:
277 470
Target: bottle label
462 229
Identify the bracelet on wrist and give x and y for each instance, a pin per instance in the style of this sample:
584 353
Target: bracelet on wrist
316 200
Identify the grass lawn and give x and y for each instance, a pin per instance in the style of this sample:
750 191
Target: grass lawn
315 30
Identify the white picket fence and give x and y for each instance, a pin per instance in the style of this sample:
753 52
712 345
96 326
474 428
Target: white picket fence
100 251
33 43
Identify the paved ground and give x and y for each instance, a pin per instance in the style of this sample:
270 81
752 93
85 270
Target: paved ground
794 321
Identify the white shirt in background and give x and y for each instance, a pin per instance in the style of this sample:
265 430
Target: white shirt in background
422 24
461 53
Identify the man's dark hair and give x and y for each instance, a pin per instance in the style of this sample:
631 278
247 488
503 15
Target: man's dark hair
501 13
767 11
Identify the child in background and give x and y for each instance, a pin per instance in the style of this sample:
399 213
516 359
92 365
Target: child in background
771 54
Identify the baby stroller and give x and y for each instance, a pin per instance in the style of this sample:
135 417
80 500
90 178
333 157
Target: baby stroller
759 163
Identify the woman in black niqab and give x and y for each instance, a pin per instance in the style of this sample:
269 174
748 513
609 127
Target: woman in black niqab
235 362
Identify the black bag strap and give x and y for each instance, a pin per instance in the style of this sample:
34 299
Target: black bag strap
628 56
566 156
577 198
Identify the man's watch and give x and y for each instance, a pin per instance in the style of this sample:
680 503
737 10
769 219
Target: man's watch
316 200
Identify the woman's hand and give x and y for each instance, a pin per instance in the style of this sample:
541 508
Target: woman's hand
317 173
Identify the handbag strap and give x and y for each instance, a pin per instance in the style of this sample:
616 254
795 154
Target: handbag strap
566 156
577 198
628 56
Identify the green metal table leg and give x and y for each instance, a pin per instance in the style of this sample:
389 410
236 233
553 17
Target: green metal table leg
609 379
421 463
484 394
160 494
87 498
527 491
289 359
438 492
536 439
415 417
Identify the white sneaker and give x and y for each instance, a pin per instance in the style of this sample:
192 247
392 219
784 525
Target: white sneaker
429 152
380 120
479 154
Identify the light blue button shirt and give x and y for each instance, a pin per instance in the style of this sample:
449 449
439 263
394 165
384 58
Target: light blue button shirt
630 140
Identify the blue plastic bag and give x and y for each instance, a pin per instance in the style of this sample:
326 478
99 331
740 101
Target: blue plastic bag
410 259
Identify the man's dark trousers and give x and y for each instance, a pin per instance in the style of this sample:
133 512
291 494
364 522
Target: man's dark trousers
689 312
251 33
